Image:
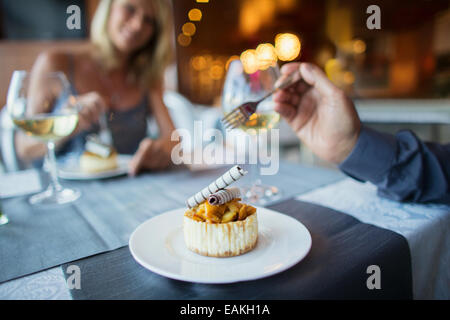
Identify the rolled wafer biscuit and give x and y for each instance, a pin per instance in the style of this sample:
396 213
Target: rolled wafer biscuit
222 182
223 196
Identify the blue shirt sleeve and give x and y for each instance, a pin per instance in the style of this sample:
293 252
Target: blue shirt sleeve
401 166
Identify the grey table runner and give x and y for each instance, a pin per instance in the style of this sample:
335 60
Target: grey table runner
335 268
109 211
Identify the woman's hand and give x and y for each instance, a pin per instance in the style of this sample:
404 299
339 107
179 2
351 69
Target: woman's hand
322 116
151 154
92 106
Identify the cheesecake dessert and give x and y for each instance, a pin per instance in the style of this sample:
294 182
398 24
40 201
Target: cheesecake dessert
223 230
98 157
93 163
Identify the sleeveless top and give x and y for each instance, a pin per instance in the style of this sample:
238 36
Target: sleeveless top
127 128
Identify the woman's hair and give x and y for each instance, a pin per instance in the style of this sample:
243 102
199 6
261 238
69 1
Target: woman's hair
147 64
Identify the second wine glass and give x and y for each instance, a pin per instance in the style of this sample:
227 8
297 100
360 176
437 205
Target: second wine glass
43 108
239 88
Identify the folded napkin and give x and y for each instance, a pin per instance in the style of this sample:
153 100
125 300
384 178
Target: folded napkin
20 183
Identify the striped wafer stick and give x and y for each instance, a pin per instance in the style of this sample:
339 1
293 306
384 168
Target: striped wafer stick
222 182
223 196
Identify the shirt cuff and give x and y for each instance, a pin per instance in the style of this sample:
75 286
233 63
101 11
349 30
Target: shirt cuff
372 157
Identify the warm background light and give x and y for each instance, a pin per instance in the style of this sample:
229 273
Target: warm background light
334 70
255 14
216 72
188 29
250 61
348 77
195 15
338 74
266 55
184 40
285 5
397 62
359 46
249 21
287 46
202 1
198 63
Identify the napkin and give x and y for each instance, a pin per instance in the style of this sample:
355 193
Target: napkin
19 183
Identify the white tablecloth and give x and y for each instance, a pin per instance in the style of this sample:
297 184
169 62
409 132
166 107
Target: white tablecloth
425 227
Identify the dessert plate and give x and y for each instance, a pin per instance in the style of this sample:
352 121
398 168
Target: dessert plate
72 171
158 245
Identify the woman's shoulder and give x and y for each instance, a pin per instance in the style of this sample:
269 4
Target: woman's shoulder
60 60
52 60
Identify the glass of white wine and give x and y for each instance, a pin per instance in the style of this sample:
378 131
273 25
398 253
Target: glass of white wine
43 107
241 87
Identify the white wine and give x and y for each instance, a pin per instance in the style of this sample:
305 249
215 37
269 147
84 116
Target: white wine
261 121
48 127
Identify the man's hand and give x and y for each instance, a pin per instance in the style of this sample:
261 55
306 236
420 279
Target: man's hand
322 116
151 154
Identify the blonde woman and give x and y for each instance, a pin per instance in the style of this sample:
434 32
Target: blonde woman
120 75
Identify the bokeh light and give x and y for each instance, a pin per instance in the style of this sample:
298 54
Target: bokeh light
184 40
195 15
333 69
188 29
250 61
287 46
359 46
266 55
349 77
249 20
198 63
216 71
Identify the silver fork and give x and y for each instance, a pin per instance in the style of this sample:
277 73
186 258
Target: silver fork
240 115
104 134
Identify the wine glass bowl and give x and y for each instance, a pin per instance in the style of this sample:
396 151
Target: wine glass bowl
42 107
240 88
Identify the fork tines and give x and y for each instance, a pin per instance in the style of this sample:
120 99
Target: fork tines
234 119
239 116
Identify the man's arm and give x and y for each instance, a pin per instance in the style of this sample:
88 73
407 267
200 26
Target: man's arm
325 119
401 166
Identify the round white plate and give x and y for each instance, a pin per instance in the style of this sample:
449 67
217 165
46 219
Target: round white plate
158 245
73 171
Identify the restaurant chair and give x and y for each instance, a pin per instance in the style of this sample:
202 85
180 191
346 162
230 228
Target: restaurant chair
181 110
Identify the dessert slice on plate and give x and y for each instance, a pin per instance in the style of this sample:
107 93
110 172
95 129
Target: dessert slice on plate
225 230
98 157
217 224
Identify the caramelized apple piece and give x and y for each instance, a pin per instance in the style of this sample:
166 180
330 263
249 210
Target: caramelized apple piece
250 210
197 218
233 206
201 211
189 213
243 212
214 213
229 216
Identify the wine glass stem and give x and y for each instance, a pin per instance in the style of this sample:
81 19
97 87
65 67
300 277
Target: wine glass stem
254 174
54 182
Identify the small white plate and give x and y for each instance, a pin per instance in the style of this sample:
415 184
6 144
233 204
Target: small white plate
73 171
158 245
